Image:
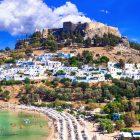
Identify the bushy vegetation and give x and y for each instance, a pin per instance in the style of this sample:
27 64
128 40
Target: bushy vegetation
14 82
117 96
86 58
130 119
36 41
120 93
126 130
106 124
135 45
12 60
4 95
81 59
52 42
10 82
120 125
106 40
78 37
104 59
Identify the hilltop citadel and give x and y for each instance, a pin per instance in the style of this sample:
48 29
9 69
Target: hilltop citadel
88 29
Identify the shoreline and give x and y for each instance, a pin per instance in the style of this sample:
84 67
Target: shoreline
64 125
16 108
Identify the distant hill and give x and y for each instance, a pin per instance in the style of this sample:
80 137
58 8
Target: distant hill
83 34
80 34
96 37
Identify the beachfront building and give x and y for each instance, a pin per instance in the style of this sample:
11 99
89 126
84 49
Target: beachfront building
130 136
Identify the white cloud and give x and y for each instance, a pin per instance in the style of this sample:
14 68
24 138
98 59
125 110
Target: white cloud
104 11
24 16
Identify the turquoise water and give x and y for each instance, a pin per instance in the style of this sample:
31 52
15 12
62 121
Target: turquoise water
22 126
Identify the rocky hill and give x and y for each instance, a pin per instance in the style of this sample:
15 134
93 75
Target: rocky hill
94 36
96 28
88 29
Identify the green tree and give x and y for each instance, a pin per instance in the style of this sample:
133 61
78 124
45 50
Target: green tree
52 45
113 107
60 72
74 85
7 49
67 84
11 60
130 119
55 83
106 124
73 61
24 100
83 86
104 59
5 95
106 40
87 57
135 45
88 42
121 63
51 37
108 76
27 81
120 124
36 35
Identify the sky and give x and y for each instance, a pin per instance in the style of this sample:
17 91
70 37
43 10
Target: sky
21 17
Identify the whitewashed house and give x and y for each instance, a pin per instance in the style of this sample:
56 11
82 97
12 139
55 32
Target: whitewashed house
65 55
114 70
50 65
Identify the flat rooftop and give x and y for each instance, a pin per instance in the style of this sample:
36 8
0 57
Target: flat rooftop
131 134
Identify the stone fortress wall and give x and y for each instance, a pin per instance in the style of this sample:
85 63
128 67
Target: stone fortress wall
90 29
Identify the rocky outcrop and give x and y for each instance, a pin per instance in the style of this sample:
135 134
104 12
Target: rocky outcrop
91 29
88 29
95 28
125 42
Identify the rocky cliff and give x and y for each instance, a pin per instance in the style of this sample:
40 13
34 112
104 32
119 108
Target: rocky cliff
96 28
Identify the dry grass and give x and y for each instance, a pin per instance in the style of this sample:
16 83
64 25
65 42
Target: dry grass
127 53
38 52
